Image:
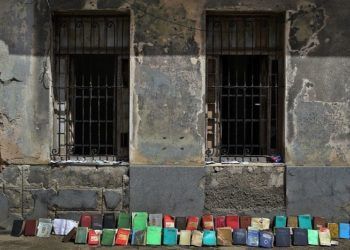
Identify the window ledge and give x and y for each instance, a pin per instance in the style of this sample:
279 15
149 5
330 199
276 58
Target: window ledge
101 163
247 164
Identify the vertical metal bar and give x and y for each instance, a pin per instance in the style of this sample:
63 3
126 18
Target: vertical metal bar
260 87
244 89
99 111
252 90
236 88
276 87
115 68
59 89
229 91
220 93
106 116
90 108
268 118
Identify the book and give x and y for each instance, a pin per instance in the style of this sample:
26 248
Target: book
138 238
312 237
239 236
324 236
70 236
44 228
209 238
168 221
220 221
30 228
155 220
260 223
224 236
192 223
185 238
17 228
304 221
85 220
96 222
292 221
154 235
109 221
266 239
64 226
232 221
344 230
280 221
180 223
197 238
253 237
169 236
123 220
319 222
300 237
108 237
334 230
208 222
283 238
139 220
81 235
122 237
245 221
93 237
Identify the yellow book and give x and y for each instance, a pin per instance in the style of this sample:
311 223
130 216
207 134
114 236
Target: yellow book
334 230
261 223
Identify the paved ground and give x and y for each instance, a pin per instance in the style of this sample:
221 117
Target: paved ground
54 242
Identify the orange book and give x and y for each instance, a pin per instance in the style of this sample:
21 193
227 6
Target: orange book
122 237
232 221
93 237
169 221
192 223
208 222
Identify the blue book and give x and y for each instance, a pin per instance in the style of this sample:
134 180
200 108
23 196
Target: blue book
209 238
266 239
169 236
253 237
239 236
305 221
344 230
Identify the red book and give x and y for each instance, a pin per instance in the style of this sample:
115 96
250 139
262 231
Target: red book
245 221
30 228
232 221
93 237
208 222
192 223
169 221
220 221
122 237
85 220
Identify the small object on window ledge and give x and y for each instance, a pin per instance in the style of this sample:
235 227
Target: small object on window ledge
275 158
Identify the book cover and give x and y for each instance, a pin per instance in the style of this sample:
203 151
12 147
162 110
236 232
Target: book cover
283 238
334 230
17 228
108 237
232 221
197 238
324 236
180 223
93 237
260 223
169 236
253 237
81 235
124 220
280 221
319 222
155 220
109 221
292 221
96 222
185 238
154 236
304 221
239 236
139 220
209 238
224 236
63 226
122 237
208 222
312 237
44 228
138 238
85 220
70 236
30 228
266 239
300 237
192 223
245 221
220 221
344 230
169 221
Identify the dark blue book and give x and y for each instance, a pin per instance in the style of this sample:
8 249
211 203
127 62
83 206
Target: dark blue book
266 239
282 237
239 236
253 237
300 237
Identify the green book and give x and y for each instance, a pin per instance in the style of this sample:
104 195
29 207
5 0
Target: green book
312 237
139 220
305 221
124 220
280 221
108 237
81 235
154 235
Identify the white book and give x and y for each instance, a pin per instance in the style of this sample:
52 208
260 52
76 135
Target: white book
44 228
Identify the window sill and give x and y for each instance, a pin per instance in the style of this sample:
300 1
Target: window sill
99 163
247 164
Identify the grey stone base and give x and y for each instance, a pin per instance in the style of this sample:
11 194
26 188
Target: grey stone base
322 191
177 190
